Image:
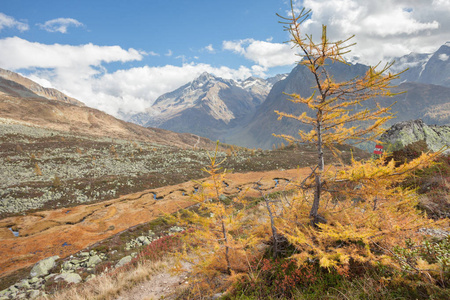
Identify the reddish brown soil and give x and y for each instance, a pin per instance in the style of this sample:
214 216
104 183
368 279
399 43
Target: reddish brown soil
66 231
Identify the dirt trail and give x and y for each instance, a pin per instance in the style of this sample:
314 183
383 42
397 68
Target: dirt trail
68 230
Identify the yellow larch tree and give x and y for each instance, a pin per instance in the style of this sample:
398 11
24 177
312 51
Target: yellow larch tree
332 116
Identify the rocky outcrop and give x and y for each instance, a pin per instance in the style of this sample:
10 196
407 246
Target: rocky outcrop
407 132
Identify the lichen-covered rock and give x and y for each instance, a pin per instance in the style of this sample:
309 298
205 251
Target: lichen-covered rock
93 260
404 133
42 267
69 277
125 260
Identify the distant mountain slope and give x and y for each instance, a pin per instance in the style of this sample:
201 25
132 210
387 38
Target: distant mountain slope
31 86
19 104
208 106
426 101
432 68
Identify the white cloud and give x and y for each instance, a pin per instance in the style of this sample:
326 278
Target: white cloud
59 24
209 48
265 54
17 53
383 28
79 72
443 57
169 53
7 21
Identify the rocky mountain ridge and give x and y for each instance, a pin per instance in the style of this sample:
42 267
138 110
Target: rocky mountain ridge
414 100
11 82
429 68
207 106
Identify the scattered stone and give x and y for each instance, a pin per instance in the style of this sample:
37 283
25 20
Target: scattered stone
217 296
23 284
69 277
33 280
34 294
93 260
175 229
49 276
125 260
43 267
438 233
92 276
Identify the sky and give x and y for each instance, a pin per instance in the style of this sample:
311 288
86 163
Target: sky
119 56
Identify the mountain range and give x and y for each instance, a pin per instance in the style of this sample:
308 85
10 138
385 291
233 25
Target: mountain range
242 113
25 102
208 106
234 112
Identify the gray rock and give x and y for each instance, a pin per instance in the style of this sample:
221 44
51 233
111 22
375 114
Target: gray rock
92 276
23 284
4 297
34 294
84 254
217 296
43 267
67 265
33 280
141 238
123 261
49 276
93 260
404 133
69 277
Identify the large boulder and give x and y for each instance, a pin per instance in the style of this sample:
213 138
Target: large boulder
125 260
404 133
42 267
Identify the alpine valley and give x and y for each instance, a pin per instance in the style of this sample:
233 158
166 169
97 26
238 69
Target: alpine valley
242 112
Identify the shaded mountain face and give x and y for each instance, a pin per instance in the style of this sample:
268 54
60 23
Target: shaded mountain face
207 106
432 68
426 101
258 131
14 84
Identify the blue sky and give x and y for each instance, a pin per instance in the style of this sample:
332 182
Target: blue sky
119 56
183 28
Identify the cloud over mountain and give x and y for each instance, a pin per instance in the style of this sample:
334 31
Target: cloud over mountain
383 29
80 72
265 54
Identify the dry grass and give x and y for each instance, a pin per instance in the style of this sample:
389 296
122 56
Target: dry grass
111 285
